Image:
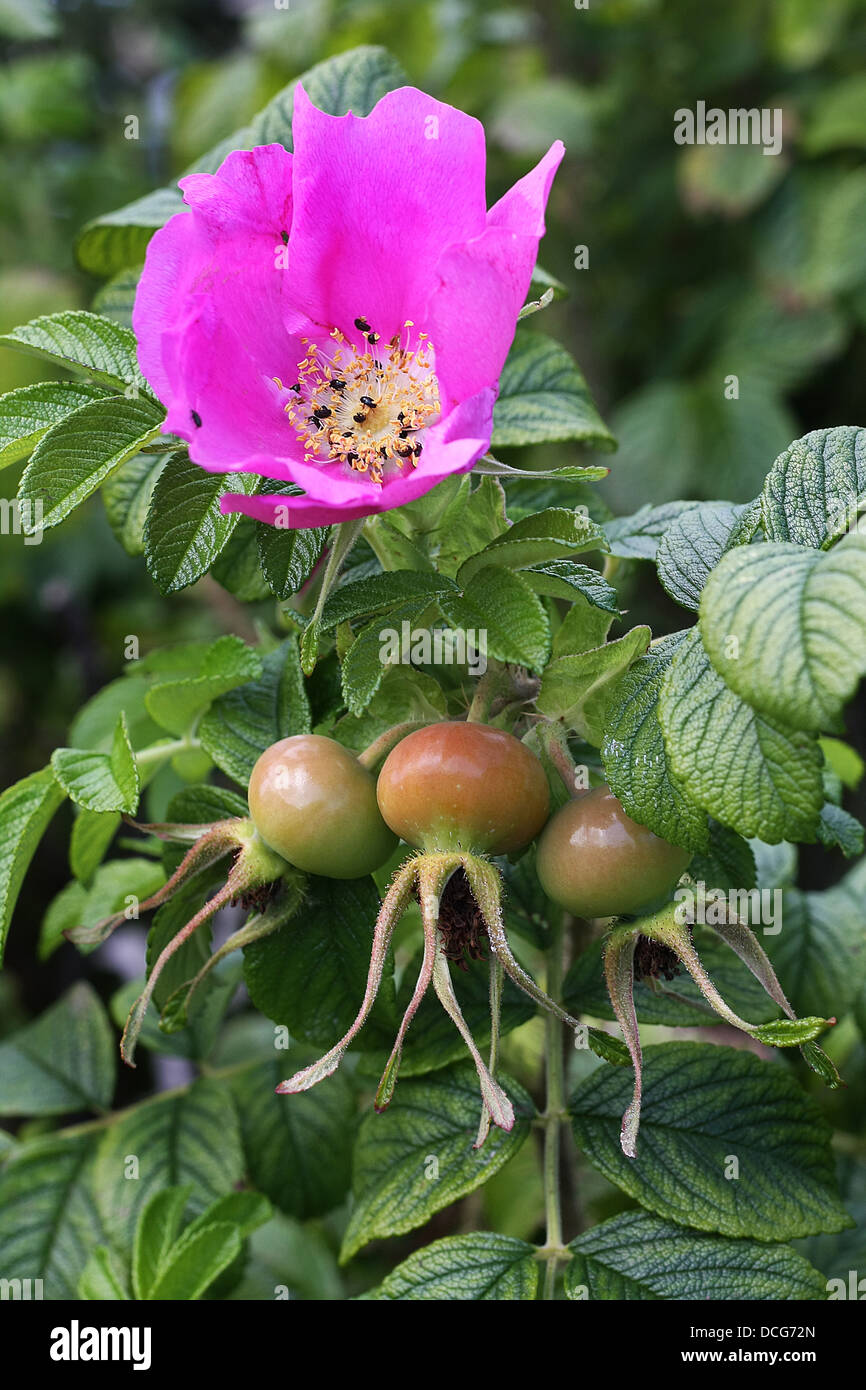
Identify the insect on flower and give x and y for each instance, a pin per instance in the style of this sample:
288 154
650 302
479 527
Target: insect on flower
366 269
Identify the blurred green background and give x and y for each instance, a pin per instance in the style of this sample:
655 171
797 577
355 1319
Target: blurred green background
702 261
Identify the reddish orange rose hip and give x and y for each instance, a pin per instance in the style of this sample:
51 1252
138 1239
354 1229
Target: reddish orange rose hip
463 786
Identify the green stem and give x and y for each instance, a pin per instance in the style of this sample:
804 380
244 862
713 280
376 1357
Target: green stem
159 751
381 747
343 537
554 1110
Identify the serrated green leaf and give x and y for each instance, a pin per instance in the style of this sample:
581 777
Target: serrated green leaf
814 488
116 298
379 593
771 781
692 545
119 239
576 583
837 829
639 1256
349 81
728 862
127 496
81 342
27 414
242 723
431 1119
543 398
298 979
25 811
155 1233
227 663
500 604
556 533
472 518
64 1062
577 688
196 1261
818 955
571 473
238 566
185 529
366 662
96 721
245 1210
186 1137
289 557
636 763
298 1148
637 537
92 833
703 1106
203 804
102 1279
478 1267
100 781
81 451
115 885
49 1222
783 626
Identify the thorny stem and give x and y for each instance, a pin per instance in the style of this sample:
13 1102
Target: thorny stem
554 1109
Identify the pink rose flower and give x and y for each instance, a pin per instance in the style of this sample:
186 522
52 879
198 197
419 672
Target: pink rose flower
338 318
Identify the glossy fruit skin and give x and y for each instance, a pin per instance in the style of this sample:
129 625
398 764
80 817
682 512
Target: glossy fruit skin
463 786
596 862
315 804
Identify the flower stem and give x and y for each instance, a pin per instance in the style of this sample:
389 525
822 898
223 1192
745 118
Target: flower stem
554 1110
342 539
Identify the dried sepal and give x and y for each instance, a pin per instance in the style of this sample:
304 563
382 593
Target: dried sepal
396 901
619 973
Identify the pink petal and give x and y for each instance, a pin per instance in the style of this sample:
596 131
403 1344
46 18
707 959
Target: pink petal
472 315
333 495
220 261
251 193
377 199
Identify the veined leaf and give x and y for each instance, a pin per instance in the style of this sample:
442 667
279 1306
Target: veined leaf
63 1062
703 1106
772 784
639 1256
636 763
185 529
27 414
784 626
478 1267
243 722
543 398
100 781
815 487
431 1120
25 811
81 452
